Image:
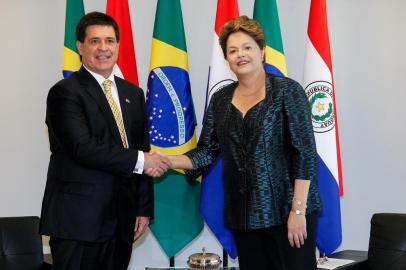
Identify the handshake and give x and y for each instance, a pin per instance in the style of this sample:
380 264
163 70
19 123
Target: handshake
156 164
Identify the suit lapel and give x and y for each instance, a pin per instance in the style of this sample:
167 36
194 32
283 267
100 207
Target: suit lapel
92 87
125 108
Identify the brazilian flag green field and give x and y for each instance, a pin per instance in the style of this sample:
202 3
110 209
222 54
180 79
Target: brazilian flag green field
71 59
172 130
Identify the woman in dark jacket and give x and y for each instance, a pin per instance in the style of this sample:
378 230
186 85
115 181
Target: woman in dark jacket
261 125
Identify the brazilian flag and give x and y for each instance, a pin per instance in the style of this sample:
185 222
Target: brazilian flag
172 130
71 59
266 13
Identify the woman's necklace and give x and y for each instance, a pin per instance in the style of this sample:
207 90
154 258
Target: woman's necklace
250 94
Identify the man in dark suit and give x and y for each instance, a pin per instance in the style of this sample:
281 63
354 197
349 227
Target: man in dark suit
97 199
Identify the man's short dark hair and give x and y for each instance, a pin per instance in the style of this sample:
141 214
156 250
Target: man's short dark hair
95 18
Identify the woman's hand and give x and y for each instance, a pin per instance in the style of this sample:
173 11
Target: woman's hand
297 233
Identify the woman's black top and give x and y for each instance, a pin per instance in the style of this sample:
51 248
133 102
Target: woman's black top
264 152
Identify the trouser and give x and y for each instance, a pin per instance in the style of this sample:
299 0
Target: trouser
67 254
269 249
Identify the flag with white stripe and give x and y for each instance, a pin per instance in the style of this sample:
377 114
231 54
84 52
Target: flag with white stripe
212 194
319 87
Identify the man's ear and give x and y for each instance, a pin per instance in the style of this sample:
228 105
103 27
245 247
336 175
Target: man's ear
79 46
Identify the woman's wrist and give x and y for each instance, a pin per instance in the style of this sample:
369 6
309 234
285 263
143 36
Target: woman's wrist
180 162
298 212
298 206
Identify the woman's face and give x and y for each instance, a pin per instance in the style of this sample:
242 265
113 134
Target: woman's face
243 54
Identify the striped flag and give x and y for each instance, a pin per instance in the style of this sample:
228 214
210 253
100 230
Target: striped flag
266 13
319 87
126 66
172 130
212 197
71 59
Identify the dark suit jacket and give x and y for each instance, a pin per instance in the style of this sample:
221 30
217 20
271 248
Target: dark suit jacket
91 192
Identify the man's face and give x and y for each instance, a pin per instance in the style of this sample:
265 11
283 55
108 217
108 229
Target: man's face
99 50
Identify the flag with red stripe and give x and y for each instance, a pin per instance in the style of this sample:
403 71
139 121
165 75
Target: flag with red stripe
126 63
212 194
319 87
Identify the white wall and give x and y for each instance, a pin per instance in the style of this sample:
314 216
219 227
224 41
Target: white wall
368 50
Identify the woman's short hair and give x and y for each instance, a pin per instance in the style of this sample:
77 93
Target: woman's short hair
241 24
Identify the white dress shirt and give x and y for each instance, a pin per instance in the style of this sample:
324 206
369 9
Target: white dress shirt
139 166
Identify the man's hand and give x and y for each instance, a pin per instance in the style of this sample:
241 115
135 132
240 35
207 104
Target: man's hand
141 225
156 164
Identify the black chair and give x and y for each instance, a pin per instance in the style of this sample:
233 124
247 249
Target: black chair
20 244
387 242
387 245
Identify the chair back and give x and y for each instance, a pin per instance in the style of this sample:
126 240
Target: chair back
20 244
387 242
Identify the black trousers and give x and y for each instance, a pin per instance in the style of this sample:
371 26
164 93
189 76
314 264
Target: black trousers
269 249
113 254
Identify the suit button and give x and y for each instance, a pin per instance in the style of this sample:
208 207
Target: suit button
241 191
241 170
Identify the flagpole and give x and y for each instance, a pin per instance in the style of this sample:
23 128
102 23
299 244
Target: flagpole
172 261
225 258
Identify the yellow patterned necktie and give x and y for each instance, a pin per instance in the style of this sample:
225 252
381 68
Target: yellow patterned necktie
115 111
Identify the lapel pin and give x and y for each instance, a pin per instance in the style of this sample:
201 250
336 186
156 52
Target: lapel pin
127 100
